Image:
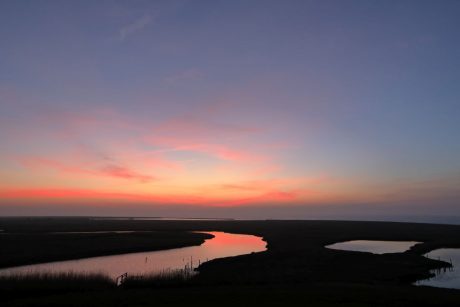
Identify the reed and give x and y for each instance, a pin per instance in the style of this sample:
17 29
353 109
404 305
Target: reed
165 278
42 281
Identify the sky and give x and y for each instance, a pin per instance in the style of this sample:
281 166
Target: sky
248 109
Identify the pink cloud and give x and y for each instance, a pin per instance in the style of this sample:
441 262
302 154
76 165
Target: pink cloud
200 127
193 132
107 170
273 185
79 195
222 152
252 185
201 131
107 143
112 170
71 194
265 198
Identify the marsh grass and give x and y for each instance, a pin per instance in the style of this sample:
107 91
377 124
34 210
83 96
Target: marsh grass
43 283
48 281
165 278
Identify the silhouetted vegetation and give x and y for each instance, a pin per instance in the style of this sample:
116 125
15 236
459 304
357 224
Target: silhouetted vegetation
295 269
41 284
166 278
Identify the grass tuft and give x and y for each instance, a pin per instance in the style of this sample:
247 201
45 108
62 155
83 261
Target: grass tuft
166 278
48 281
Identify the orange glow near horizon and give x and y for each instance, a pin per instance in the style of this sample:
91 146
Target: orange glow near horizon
44 195
110 158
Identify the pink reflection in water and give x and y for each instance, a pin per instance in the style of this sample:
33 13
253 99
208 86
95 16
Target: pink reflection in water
222 245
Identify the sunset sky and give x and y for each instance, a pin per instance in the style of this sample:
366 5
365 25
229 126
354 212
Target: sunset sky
251 109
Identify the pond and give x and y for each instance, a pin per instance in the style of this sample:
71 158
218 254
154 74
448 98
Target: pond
221 245
445 277
374 246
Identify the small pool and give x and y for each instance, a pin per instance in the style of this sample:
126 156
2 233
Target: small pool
445 277
374 246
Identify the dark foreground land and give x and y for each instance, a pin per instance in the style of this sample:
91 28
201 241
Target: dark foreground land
296 269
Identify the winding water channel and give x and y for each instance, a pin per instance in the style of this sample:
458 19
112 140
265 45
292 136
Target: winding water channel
221 245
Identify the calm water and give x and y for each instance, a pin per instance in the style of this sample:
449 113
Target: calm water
222 245
374 246
448 277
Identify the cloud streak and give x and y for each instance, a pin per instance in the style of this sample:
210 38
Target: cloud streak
135 26
106 170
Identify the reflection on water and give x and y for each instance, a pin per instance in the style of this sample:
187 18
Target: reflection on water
374 246
445 277
222 245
